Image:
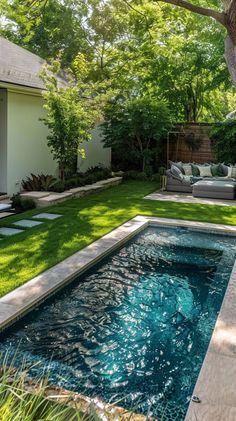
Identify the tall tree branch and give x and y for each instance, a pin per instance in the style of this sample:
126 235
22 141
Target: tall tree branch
218 16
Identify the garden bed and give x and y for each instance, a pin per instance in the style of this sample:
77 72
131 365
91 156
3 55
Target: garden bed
43 199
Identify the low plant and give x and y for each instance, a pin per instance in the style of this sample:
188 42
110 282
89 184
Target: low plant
156 177
135 175
99 170
39 182
24 398
22 203
58 187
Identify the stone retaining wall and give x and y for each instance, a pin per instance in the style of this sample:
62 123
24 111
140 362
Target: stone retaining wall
43 199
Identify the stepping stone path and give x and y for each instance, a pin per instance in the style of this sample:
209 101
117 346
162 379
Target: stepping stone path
9 231
27 223
46 215
4 207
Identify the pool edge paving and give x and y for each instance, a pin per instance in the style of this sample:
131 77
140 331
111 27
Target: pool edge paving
216 384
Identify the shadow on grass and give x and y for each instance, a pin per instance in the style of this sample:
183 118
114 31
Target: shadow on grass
84 220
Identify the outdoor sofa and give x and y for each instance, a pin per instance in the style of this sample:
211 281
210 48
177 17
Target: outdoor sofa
217 181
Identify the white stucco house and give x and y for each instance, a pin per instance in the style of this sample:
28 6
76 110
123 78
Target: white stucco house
23 143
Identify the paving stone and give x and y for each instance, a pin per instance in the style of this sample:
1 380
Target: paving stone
35 194
5 214
10 231
167 196
27 223
4 207
46 215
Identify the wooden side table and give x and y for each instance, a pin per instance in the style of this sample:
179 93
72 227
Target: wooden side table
163 180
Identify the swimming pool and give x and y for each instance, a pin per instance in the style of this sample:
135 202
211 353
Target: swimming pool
135 328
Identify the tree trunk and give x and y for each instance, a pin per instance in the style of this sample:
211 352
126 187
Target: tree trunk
227 18
230 57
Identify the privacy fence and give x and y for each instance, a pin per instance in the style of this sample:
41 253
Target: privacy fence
190 142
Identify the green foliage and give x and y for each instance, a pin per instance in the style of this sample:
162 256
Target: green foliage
147 48
135 175
24 399
22 203
39 182
136 125
92 175
223 139
58 187
70 118
37 26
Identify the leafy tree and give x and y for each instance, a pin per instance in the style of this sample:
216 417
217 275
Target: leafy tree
45 27
223 138
226 17
135 48
134 128
69 116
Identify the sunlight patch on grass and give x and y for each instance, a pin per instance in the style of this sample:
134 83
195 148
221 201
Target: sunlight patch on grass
84 220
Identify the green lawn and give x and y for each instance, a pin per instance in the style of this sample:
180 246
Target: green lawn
84 220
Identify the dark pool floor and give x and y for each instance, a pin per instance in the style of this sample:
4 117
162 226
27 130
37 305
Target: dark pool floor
135 329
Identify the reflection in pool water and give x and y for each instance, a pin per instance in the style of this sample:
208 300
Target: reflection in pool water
135 328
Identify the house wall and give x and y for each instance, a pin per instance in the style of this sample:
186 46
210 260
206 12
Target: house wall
95 153
27 150
3 140
27 144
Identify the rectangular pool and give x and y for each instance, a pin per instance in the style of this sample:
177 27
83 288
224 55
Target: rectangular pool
135 328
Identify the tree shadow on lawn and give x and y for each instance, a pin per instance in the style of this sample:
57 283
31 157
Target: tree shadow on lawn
84 220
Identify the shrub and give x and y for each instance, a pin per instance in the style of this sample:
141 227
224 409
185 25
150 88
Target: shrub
100 170
22 203
134 129
58 187
156 177
72 182
223 139
38 182
162 170
90 178
135 175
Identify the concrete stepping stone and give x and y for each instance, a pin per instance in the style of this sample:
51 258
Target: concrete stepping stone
4 207
46 215
10 231
35 194
5 214
27 223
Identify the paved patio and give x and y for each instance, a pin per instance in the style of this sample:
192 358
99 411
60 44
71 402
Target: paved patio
167 196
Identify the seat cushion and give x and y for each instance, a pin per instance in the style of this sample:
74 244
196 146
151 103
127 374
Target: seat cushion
215 189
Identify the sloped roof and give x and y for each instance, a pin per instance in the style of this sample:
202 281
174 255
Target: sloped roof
21 67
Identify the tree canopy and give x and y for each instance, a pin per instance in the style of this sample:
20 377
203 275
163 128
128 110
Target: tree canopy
134 48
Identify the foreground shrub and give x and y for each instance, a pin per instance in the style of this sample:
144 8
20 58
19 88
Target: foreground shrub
22 203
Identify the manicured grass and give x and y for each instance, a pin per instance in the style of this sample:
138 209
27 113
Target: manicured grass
84 220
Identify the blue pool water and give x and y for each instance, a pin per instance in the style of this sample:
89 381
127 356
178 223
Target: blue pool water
135 329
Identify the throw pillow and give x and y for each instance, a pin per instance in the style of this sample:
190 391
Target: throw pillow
225 169
175 171
216 170
187 169
195 170
178 165
205 171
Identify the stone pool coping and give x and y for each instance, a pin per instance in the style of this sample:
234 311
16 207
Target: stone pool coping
216 384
